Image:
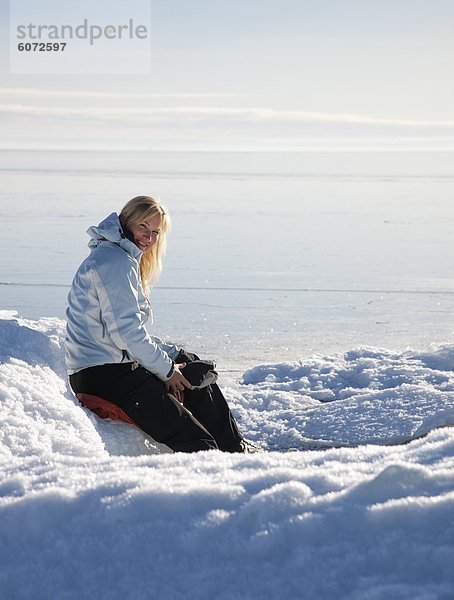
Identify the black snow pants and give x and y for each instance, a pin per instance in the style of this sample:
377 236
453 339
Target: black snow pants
204 422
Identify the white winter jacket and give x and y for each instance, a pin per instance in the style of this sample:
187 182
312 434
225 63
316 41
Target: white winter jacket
107 309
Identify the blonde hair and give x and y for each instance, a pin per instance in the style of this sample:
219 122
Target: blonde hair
134 212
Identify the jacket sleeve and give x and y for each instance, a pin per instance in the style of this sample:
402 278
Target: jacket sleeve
172 350
117 284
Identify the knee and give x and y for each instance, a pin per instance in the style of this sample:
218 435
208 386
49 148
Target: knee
186 357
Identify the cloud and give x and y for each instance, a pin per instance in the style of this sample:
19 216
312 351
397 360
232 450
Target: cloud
219 114
74 119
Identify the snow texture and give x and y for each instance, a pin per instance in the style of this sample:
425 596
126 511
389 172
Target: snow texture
96 509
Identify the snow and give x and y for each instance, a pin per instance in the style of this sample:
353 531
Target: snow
380 396
96 509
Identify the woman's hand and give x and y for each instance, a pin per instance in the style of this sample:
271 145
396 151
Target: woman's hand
178 383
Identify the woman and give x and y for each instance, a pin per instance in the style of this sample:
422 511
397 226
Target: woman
110 354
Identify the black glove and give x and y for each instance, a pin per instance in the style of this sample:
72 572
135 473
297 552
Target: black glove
200 373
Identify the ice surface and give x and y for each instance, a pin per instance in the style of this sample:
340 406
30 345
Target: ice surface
272 256
90 508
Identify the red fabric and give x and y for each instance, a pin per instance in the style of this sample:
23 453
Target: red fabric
104 409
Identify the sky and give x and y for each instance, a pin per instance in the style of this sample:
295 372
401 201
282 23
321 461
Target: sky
271 74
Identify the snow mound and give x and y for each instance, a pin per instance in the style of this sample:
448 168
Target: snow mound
366 396
39 413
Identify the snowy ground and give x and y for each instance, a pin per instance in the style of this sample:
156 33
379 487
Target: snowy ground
95 509
323 285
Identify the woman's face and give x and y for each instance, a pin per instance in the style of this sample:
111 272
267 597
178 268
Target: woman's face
146 232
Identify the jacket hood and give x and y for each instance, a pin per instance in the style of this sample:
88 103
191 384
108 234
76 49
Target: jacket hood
110 230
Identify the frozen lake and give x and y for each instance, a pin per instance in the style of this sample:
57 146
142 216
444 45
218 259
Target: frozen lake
272 256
